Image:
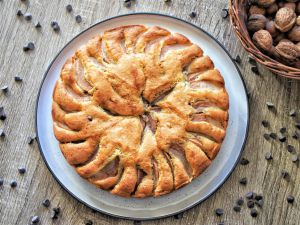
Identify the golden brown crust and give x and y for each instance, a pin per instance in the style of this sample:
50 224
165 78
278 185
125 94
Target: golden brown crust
140 111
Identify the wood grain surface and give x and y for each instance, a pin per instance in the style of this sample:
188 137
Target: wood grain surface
18 205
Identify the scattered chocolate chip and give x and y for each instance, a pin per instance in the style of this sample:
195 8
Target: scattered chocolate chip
253 213
244 161
4 89
22 170
265 123
240 201
243 181
1 182
178 216
2 134
292 113
46 203
78 19
18 79
238 59
260 203
285 174
55 26
295 158
224 13
282 138
89 222
28 16
28 46
127 3
255 70
69 8
30 140
258 197
290 199
250 204
297 125
193 14
250 195
282 130
295 135
290 148
90 118
35 219
252 61
56 210
270 105
268 156
273 135
53 215
267 136
219 212
19 13
13 184
38 25
2 113
237 208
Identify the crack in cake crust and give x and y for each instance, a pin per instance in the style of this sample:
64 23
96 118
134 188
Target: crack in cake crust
140 111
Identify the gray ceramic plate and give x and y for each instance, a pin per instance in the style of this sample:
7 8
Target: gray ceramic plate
182 199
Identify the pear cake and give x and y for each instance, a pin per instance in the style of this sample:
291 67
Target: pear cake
139 111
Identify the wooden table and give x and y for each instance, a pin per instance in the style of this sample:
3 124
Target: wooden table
19 204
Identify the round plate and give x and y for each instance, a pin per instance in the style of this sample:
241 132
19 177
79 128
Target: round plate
179 200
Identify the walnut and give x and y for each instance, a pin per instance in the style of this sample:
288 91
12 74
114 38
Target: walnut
270 27
256 22
298 21
254 9
272 9
279 38
263 40
285 19
265 3
288 52
290 5
294 34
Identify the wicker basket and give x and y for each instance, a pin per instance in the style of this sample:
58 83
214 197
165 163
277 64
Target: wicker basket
238 17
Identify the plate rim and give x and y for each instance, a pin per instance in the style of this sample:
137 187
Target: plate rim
153 217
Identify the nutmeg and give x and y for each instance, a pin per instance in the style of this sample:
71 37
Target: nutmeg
294 34
285 19
254 9
272 9
270 27
290 5
265 3
256 22
263 40
288 52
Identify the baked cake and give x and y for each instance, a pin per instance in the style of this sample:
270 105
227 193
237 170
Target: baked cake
139 111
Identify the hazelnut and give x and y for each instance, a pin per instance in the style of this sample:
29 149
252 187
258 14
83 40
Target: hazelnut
298 21
256 22
285 19
265 3
270 27
294 34
272 9
263 40
288 52
254 9
290 5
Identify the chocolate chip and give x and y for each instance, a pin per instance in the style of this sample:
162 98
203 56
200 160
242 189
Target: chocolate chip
1 182
292 113
167 1
224 13
260 203
252 61
13 184
28 46
221 223
28 16
38 25
265 123
35 219
295 135
178 216
290 148
285 174
53 215
297 125
268 156
258 197
238 59
89 222
18 79
237 208
219 212
193 14
243 181
240 201
253 213
250 204
90 118
273 135
2 134
78 19
244 161
249 195
290 199
22 170
30 140
2 113
69 8
55 26
56 210
270 105
282 130
295 158
19 13
4 89
127 3
282 138
267 136
255 70
46 203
